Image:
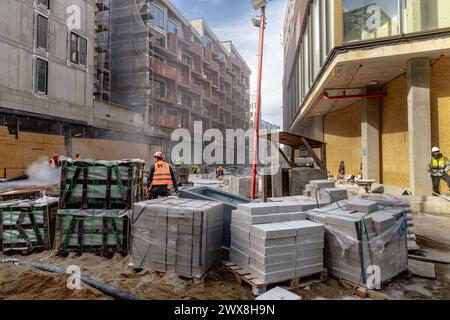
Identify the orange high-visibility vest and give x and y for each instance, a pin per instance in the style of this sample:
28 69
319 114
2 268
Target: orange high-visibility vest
162 176
52 163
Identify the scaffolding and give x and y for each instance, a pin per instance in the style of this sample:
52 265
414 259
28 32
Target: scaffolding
130 54
102 83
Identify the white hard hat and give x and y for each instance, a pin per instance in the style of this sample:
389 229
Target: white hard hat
435 149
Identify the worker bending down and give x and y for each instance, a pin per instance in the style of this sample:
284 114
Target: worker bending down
439 168
160 178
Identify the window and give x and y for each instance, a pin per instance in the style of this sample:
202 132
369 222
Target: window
78 49
207 42
186 58
44 3
41 32
371 19
159 16
186 100
173 27
207 75
315 37
160 88
425 15
160 40
41 77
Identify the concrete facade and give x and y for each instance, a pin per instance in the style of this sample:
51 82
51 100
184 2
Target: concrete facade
370 137
419 125
38 125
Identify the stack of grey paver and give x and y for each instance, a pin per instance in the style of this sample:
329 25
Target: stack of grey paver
326 191
360 234
282 251
274 242
251 214
176 235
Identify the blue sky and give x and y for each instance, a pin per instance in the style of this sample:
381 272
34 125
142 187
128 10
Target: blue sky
231 20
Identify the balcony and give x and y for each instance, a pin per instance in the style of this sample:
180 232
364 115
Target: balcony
196 89
172 43
215 100
163 120
196 48
164 99
164 70
207 55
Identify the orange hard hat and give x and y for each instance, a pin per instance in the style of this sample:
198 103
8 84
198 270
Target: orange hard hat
159 154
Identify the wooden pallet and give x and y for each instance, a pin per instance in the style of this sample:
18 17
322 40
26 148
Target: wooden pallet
259 287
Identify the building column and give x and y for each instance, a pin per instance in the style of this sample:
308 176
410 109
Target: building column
370 137
419 125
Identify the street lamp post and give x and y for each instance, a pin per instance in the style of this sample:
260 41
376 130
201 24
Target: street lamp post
258 4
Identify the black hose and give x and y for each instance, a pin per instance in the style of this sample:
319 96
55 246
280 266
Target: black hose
110 291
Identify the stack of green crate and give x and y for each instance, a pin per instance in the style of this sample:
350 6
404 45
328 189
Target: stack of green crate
95 202
27 226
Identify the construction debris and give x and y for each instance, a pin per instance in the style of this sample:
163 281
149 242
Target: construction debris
422 269
176 235
278 293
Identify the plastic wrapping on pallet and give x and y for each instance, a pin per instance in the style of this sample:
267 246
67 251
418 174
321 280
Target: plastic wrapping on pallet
101 184
355 241
98 231
176 235
27 225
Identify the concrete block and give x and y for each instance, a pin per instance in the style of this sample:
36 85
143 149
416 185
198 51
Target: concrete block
311 245
273 277
268 268
258 208
333 195
306 227
322 184
274 231
279 258
264 242
308 271
361 205
269 251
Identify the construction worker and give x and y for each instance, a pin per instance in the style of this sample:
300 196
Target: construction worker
219 172
439 167
54 162
77 157
161 176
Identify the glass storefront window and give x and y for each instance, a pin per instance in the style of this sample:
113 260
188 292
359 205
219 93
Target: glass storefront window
370 19
425 15
306 65
316 37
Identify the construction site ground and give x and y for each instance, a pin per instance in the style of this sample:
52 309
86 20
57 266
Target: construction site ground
19 282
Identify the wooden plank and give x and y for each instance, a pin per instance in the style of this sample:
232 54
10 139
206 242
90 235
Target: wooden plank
428 259
283 155
422 269
312 153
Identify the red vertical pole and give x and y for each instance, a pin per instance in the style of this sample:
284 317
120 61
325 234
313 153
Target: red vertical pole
258 101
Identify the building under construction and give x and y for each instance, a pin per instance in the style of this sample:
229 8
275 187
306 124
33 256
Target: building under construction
113 87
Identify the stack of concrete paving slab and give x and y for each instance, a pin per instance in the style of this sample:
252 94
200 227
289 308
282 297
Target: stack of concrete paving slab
274 242
282 251
242 186
251 214
326 191
183 236
360 234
